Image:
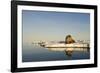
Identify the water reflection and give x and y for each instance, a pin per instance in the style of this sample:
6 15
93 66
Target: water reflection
69 54
69 51
31 53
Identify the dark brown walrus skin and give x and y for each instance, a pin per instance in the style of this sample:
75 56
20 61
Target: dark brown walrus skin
69 39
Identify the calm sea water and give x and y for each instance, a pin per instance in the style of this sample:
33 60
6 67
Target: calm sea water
33 53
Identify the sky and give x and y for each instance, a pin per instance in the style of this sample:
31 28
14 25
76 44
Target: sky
54 26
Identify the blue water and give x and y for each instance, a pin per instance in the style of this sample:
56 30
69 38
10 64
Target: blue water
33 53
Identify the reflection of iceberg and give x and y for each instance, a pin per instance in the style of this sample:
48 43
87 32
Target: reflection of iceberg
69 51
63 45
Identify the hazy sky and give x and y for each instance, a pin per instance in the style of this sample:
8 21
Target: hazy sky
54 26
